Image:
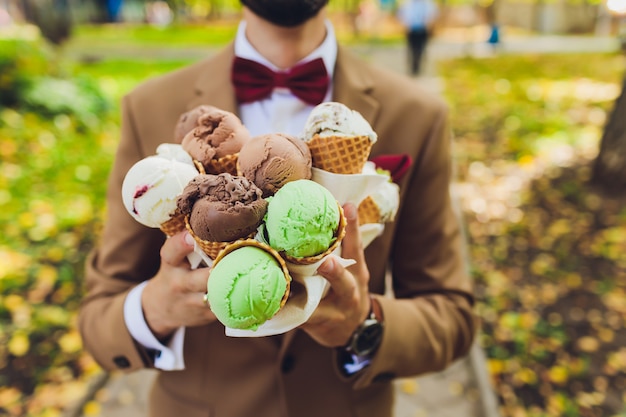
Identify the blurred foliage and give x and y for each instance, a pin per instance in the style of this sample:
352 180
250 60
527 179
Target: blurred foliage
519 104
31 80
20 62
57 138
59 128
547 250
80 97
204 35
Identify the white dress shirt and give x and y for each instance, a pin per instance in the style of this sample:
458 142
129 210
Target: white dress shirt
282 112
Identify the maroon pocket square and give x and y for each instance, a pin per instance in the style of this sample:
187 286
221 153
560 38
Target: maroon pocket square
397 165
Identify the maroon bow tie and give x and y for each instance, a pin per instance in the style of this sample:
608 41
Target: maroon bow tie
253 81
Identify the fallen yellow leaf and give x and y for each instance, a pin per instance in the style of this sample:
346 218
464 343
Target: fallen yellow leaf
558 374
588 344
92 408
409 386
71 342
19 344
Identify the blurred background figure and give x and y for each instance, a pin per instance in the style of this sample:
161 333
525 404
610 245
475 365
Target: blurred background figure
417 17
491 16
5 17
114 10
158 13
367 21
52 17
494 37
617 8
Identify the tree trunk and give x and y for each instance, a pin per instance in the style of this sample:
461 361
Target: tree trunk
609 171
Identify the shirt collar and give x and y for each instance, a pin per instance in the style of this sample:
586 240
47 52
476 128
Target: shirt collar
327 50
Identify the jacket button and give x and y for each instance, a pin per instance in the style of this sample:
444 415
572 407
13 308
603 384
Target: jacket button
121 362
287 364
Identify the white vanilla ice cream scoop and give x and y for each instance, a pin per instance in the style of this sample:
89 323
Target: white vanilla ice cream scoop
336 119
175 152
151 187
386 195
387 198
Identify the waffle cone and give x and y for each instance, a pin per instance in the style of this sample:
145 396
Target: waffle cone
210 248
199 166
368 211
226 163
340 154
251 242
175 224
339 235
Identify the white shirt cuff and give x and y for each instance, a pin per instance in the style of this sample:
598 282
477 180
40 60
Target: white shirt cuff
167 358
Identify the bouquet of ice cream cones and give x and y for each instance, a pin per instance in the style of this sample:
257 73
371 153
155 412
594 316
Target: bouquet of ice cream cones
265 212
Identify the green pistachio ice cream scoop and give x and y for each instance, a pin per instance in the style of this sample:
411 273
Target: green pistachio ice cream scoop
302 219
247 286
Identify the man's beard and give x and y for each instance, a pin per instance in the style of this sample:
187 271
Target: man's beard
286 13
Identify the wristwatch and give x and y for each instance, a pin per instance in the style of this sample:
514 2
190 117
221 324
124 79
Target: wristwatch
367 337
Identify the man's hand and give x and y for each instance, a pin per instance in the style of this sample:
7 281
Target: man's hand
174 297
347 303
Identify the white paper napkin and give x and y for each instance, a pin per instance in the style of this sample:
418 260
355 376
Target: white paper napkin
196 257
348 188
369 232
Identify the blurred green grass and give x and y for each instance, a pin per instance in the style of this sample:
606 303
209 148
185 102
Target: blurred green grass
213 34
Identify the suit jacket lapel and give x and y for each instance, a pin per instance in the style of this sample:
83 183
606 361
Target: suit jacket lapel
353 83
213 86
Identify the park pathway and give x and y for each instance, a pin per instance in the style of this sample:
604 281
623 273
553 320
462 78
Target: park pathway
462 390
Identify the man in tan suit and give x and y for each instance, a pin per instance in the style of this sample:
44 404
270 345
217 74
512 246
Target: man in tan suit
144 306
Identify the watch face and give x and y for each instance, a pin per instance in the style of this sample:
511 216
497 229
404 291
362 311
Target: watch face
368 339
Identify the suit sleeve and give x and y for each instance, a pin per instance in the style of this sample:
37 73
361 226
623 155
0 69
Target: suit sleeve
127 254
430 322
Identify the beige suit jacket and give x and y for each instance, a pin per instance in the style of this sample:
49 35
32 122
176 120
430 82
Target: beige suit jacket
429 323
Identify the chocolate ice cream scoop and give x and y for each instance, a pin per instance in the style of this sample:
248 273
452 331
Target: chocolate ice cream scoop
222 208
218 134
188 121
272 160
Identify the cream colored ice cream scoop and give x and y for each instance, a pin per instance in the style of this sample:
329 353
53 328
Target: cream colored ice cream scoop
151 186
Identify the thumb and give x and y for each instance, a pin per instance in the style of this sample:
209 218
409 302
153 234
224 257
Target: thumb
176 248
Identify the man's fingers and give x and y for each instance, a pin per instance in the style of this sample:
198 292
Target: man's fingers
325 313
352 247
342 283
197 280
176 248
